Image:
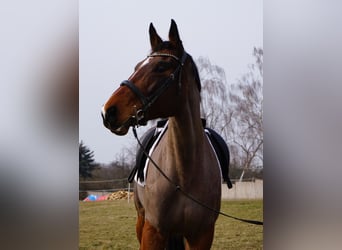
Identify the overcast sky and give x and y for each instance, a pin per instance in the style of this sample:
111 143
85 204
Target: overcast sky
113 37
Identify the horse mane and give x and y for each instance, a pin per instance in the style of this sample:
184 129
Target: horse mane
195 73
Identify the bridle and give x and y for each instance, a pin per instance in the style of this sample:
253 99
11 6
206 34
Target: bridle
147 101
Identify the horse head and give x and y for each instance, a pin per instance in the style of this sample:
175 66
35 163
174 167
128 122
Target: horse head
153 90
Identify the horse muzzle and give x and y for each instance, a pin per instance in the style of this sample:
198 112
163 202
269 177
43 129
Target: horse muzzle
110 121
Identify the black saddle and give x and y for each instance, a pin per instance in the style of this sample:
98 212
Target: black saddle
151 136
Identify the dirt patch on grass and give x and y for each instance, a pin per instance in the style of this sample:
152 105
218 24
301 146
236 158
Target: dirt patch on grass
120 195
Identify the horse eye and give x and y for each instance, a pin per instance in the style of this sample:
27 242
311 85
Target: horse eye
161 67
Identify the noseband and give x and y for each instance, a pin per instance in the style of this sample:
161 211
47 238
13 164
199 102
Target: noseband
147 101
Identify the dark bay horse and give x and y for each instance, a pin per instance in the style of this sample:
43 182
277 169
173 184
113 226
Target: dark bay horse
166 85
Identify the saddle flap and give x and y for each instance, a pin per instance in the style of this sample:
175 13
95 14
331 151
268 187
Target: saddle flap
222 152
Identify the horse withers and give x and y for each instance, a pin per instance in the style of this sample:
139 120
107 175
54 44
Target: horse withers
166 84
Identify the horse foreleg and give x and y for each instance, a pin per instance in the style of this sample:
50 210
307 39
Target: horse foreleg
201 242
139 226
152 239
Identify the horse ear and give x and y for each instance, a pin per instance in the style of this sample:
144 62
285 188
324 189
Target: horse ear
154 37
173 33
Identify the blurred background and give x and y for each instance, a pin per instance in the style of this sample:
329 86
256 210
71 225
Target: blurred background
39 125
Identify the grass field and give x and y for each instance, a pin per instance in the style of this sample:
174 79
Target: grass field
111 225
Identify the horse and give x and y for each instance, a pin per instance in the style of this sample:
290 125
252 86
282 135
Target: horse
166 84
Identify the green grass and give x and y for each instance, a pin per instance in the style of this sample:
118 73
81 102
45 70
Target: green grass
232 234
111 225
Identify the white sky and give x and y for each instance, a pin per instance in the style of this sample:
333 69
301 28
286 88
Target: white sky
113 37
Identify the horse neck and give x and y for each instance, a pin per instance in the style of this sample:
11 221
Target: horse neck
185 130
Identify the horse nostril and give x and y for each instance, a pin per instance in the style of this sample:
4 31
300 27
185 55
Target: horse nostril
110 115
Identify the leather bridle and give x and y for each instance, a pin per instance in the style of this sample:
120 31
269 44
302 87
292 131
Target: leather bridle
147 101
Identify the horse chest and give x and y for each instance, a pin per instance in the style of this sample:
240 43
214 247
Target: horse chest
175 213
169 210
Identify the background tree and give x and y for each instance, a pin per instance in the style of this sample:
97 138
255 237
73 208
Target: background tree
246 105
86 161
214 95
235 111
110 176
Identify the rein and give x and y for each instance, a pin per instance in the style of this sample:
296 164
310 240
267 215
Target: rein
147 101
180 189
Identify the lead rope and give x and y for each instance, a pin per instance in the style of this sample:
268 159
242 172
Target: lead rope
178 188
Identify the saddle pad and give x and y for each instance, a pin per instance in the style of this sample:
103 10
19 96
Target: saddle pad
151 139
140 176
